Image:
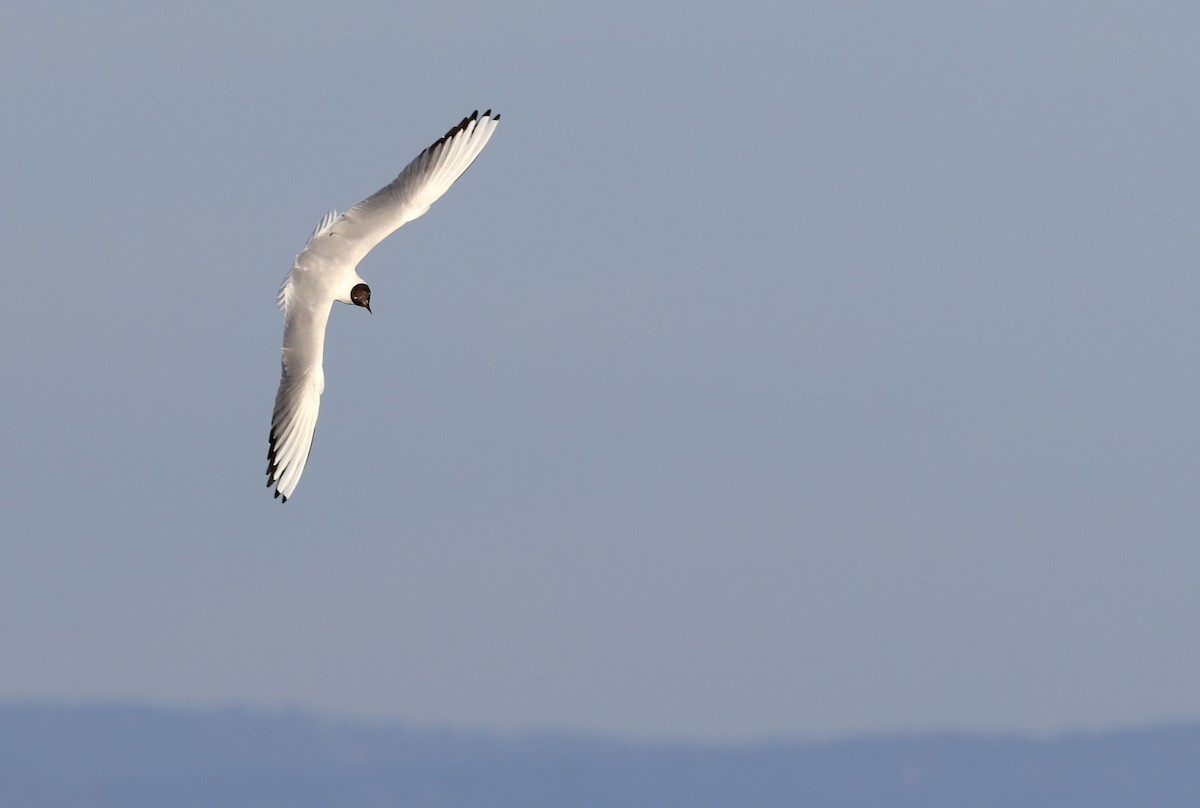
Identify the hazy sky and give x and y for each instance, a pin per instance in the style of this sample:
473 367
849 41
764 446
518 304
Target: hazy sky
778 369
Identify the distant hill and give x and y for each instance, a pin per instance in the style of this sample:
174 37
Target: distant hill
134 757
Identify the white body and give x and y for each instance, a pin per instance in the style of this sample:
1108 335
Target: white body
326 271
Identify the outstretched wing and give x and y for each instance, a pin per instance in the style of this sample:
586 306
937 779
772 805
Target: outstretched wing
299 398
356 232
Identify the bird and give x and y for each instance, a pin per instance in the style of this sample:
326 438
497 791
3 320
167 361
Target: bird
325 272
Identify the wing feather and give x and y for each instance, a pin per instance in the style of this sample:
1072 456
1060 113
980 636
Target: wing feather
298 401
422 182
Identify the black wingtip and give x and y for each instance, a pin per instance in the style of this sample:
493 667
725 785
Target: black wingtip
454 130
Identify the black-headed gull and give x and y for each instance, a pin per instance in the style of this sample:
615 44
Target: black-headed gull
326 272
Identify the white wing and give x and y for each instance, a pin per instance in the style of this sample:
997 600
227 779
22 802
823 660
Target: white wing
299 398
423 181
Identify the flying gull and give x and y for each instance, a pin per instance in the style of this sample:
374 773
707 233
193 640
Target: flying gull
326 272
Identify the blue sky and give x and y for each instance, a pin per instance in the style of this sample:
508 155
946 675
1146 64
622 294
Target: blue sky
779 369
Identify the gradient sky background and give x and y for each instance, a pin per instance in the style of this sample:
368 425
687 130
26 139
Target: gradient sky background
779 369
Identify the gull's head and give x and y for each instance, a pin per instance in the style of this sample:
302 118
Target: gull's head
360 295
